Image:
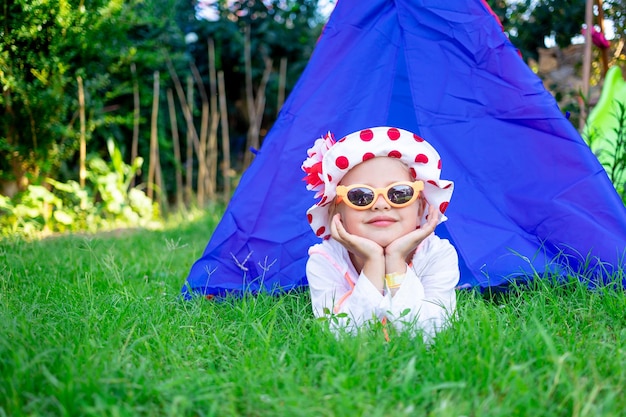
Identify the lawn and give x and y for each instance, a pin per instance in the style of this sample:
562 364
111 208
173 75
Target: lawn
93 325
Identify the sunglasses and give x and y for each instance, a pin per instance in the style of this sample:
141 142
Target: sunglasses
362 197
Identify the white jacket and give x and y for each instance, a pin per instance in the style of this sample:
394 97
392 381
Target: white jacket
425 300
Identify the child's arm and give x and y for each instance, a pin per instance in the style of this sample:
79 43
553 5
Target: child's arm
350 302
428 290
397 252
367 250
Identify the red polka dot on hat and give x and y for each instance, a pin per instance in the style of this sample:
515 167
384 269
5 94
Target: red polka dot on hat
393 133
421 158
342 162
443 207
368 155
418 138
366 135
395 154
320 231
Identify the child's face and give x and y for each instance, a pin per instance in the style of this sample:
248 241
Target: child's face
381 223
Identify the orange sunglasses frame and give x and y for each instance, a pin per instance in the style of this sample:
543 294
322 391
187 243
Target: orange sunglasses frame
342 193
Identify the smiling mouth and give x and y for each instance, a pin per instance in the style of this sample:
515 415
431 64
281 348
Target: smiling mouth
381 221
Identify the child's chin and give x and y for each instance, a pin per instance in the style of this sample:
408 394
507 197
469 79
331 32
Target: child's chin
384 242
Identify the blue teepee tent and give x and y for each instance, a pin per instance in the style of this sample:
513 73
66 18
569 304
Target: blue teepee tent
529 194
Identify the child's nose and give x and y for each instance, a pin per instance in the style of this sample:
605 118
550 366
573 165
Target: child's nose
380 203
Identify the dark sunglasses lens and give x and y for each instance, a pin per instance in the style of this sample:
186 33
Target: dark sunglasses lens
400 194
360 196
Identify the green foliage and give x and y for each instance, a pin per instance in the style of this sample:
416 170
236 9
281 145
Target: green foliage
107 201
112 184
612 149
278 29
44 47
40 42
95 326
614 11
529 22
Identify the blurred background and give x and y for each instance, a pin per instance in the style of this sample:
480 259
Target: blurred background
116 113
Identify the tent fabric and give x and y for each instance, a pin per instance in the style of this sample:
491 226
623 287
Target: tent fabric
530 196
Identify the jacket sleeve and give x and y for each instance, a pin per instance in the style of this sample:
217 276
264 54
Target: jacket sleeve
332 294
427 297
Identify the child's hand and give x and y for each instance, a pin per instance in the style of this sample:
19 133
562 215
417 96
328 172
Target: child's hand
360 246
401 248
370 253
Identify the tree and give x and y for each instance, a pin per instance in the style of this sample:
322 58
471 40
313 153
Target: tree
33 80
44 47
278 29
529 22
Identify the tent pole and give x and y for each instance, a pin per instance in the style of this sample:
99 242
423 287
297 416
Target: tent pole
604 51
586 63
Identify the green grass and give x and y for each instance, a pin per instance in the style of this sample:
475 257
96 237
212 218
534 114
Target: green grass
93 325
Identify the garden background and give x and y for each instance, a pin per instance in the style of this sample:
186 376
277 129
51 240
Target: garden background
115 113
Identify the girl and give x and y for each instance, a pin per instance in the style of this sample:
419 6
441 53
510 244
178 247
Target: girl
381 198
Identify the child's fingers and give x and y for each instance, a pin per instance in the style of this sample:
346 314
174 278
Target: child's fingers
433 218
337 231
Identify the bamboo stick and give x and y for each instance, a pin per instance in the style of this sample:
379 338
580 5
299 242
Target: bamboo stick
586 64
215 118
282 82
82 170
251 138
154 143
188 115
136 117
160 191
204 129
255 107
603 51
189 159
225 136
176 145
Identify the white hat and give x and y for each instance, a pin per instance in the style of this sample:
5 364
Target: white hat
330 160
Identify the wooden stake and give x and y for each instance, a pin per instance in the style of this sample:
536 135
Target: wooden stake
251 139
154 143
136 117
189 159
604 52
82 170
255 107
282 82
225 136
204 129
188 115
586 64
212 152
161 192
176 142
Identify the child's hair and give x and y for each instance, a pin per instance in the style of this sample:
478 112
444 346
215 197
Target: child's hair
329 160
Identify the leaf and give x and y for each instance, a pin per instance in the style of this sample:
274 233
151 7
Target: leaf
63 217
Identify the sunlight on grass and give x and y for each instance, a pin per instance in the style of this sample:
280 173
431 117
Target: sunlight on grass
94 325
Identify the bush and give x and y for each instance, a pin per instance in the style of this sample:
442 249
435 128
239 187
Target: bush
107 201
